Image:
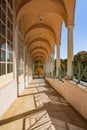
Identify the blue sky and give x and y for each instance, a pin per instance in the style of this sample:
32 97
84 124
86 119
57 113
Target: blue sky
80 30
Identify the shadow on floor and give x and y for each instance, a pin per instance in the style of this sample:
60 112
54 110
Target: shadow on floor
52 111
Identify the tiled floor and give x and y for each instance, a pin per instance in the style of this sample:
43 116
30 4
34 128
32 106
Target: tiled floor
40 107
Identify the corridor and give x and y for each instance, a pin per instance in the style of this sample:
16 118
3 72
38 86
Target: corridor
40 107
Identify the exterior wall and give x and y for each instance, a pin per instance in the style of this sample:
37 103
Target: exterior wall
7 96
75 95
12 82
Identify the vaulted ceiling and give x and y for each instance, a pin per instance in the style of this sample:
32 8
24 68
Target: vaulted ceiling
42 23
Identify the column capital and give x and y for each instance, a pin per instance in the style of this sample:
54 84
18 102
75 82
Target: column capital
58 45
70 26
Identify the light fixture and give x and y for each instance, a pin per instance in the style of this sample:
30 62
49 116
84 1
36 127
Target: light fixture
40 17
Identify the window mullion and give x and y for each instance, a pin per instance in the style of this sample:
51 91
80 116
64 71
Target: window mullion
6 36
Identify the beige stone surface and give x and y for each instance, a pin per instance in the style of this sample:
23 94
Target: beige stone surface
74 93
40 107
43 19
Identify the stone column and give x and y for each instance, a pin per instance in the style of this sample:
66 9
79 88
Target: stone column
70 52
49 66
52 65
57 60
16 58
24 68
46 69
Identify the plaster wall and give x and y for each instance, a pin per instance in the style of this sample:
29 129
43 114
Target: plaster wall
76 95
7 96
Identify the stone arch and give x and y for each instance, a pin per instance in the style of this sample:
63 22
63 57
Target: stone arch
39 39
40 44
48 6
39 51
41 25
40 47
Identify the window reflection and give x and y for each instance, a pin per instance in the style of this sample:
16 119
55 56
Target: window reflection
2 69
9 46
9 68
9 57
4 4
2 43
2 55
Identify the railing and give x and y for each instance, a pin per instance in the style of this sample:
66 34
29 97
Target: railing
79 72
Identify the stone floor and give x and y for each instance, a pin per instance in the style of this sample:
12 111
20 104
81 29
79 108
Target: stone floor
40 107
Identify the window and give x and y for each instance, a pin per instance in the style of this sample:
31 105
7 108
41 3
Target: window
6 37
21 51
2 69
10 3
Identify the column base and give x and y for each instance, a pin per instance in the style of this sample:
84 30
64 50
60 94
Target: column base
68 77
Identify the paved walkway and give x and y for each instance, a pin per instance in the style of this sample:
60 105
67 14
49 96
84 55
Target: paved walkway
40 107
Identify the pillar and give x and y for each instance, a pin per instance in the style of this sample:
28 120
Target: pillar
57 60
16 58
70 52
46 69
24 68
49 66
52 64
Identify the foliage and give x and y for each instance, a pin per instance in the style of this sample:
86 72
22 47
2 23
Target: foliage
80 66
38 67
81 57
39 71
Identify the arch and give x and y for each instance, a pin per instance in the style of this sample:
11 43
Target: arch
53 6
40 47
47 37
39 51
36 57
39 55
40 25
36 53
39 44
39 39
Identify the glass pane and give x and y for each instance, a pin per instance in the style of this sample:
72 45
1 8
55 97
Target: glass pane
10 3
9 68
8 35
11 16
3 30
3 17
8 23
2 69
2 55
8 12
11 28
4 4
9 47
0 26
0 2
2 43
9 57
11 38
0 12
